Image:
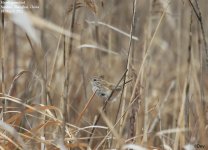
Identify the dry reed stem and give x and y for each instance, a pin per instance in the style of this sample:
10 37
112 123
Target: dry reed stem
105 105
161 107
85 108
98 48
114 29
111 127
46 25
118 121
19 101
2 59
170 49
11 141
124 90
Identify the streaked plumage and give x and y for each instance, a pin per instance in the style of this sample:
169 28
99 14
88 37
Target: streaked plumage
103 88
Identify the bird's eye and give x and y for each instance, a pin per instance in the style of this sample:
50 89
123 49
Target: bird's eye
94 79
102 94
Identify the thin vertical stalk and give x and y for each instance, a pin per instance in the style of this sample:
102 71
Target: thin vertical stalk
72 28
45 99
186 107
104 107
197 12
67 74
2 62
144 81
127 64
98 43
201 108
15 49
83 72
42 31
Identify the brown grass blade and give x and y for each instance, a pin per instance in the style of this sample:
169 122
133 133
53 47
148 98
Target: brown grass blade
85 108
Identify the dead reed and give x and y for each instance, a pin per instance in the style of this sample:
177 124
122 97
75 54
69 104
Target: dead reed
49 52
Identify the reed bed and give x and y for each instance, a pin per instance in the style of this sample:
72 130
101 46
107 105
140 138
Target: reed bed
51 50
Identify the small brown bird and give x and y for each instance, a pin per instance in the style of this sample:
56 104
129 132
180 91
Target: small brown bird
104 88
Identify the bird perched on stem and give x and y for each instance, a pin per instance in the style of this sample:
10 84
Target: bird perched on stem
104 88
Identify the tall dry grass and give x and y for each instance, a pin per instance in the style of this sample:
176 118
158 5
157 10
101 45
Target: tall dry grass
49 54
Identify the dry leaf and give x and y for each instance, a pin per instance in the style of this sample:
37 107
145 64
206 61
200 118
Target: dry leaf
13 132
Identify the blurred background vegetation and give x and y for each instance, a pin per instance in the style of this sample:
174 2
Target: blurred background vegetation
45 77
